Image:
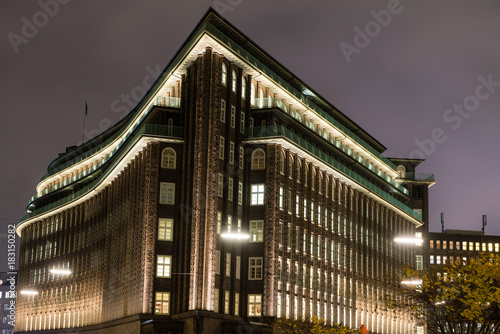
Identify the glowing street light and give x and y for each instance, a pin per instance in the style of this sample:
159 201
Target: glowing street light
412 282
60 271
235 236
409 240
29 292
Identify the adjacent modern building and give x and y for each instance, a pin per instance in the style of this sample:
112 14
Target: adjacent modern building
230 196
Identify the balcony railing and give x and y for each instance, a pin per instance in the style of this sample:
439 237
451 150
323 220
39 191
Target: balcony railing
416 176
280 131
165 101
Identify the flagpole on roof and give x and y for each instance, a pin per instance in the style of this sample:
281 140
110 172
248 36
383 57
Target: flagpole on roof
84 118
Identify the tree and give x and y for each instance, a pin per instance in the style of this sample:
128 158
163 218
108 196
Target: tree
455 298
316 326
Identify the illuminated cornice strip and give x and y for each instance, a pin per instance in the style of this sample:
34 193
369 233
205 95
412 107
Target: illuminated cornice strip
337 174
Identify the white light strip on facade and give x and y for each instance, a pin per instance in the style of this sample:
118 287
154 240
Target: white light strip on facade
343 178
409 240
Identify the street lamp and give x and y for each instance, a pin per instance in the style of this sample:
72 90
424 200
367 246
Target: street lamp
235 236
412 282
409 240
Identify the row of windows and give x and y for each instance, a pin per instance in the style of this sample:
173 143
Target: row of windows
233 80
233 116
443 260
254 303
464 245
222 144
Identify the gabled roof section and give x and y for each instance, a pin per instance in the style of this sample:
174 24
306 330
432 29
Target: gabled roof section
246 43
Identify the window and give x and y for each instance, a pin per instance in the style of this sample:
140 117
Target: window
251 122
401 171
163 265
231 152
497 246
226 302
257 194
238 267
165 229
230 189
281 195
420 262
451 245
464 245
258 159
233 81
216 300
162 303
220 185
219 222
445 244
242 152
224 74
217 262
229 223
242 122
223 111
256 231
438 244
255 268
239 225
240 193
236 304
254 305
228 264
168 158
431 259
233 116
243 87
221 148
167 193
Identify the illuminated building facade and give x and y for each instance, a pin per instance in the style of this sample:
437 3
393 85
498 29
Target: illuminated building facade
226 141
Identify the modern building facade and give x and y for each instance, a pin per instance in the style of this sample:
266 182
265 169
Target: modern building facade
8 288
146 222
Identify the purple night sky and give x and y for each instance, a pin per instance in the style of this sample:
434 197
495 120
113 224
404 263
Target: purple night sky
424 81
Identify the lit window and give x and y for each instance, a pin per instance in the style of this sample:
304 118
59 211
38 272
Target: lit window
464 245
401 171
226 302
242 122
216 300
254 305
240 193
168 158
238 267
281 197
255 268
217 262
224 74
431 244
236 304
438 244
230 189
431 259
167 193
256 231
497 247
231 152
220 185
163 265
257 194
229 223
162 302
243 87
233 116
165 229
451 245
221 148
233 81
219 222
228 264
223 111
258 159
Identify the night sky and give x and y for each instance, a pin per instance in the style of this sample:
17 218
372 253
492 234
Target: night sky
421 76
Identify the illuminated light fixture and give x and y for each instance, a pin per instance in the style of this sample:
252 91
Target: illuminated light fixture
29 292
414 282
235 236
440 303
60 271
409 240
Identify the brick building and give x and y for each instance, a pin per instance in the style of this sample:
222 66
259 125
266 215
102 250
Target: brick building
227 143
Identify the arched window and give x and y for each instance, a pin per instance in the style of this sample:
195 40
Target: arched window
224 74
243 87
298 170
320 183
168 158
258 159
313 178
233 81
306 174
290 166
401 171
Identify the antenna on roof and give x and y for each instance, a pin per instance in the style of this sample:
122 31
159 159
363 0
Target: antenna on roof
442 222
84 118
485 222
